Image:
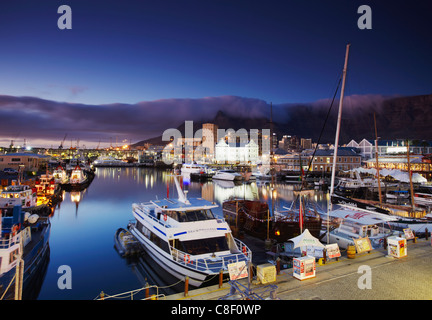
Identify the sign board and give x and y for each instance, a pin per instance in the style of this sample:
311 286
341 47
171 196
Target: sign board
304 267
408 234
397 247
238 270
333 251
363 245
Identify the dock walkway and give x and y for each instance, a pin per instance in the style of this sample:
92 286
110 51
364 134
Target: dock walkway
406 278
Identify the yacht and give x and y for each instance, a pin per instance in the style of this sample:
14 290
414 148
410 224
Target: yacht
358 223
423 199
397 195
262 175
229 175
185 238
188 168
108 161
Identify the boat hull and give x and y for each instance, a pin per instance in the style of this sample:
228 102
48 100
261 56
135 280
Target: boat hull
251 217
165 261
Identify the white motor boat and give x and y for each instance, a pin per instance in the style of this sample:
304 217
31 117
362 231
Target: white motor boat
423 199
188 168
358 223
229 175
108 161
185 238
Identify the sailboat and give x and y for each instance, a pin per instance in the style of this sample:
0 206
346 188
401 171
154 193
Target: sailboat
355 222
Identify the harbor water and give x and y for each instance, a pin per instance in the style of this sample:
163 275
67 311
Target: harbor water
82 258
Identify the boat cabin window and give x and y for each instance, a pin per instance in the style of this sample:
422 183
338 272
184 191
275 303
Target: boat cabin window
195 215
203 246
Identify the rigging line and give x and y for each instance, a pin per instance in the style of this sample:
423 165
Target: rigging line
322 129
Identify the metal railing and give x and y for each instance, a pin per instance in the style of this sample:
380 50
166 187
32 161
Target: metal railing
133 293
9 242
213 264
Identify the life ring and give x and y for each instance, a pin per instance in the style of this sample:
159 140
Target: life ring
165 217
14 230
186 258
244 250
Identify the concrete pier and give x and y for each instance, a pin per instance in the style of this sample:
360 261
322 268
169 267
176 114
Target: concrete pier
370 276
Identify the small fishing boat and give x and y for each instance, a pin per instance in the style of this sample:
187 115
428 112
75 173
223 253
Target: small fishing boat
79 179
18 195
23 240
125 243
60 175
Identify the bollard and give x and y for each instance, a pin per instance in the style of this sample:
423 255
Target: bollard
147 290
220 278
186 289
385 243
324 256
277 266
427 234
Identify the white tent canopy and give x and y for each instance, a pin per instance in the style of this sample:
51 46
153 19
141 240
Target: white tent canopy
306 240
396 174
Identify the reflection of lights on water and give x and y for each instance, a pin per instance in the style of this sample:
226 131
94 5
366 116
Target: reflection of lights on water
243 191
75 197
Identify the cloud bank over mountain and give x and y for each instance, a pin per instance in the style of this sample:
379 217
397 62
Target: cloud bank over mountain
38 120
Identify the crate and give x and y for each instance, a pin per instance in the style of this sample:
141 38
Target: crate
266 273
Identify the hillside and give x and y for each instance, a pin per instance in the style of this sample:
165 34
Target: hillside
397 118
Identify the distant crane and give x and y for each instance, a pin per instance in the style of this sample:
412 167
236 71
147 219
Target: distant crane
61 144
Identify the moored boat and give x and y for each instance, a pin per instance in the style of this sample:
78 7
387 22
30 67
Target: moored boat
228 175
125 243
253 217
24 240
184 237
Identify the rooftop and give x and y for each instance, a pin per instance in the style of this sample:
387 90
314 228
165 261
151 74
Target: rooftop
175 204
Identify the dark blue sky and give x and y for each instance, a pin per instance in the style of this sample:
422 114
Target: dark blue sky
186 59
279 51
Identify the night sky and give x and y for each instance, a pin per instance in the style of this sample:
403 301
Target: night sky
126 65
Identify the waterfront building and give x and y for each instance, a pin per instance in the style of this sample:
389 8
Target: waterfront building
347 159
418 163
390 147
28 160
237 153
293 161
366 147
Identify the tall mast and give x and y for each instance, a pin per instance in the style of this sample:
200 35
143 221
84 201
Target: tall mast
410 178
339 120
337 139
377 163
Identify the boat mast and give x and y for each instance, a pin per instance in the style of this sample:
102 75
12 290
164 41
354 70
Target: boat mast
410 178
376 159
339 121
337 139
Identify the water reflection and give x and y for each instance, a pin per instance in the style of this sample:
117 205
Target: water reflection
84 241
